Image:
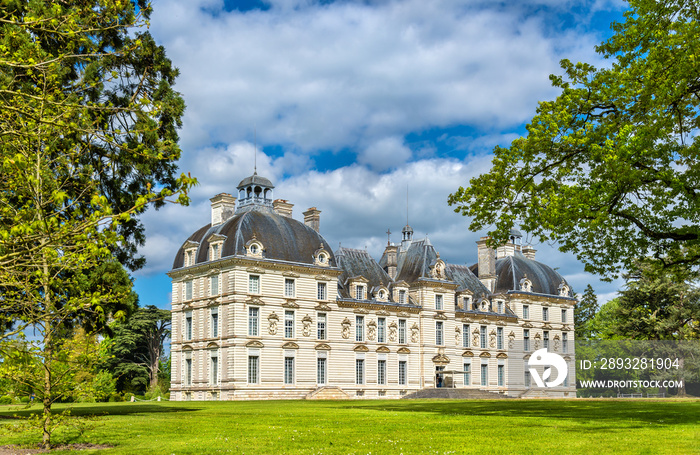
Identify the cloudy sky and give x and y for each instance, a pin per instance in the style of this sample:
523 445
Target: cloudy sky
353 104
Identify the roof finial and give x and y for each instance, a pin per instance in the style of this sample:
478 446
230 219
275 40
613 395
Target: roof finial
255 136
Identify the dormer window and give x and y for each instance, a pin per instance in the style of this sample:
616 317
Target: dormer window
499 306
402 296
564 290
322 257
360 292
525 284
189 258
254 248
190 248
466 302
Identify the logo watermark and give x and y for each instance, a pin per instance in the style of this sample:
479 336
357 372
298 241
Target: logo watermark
542 357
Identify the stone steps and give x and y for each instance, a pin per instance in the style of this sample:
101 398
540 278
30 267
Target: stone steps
454 394
328 393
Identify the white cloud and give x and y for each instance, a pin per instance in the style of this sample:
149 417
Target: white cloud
350 74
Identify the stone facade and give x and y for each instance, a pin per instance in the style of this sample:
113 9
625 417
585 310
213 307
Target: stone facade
263 309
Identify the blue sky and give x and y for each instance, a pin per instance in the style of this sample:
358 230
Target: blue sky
354 102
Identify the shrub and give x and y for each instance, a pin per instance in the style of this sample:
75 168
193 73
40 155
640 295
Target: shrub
6 399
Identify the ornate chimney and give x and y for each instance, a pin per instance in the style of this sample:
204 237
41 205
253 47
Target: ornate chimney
282 207
312 218
222 208
487 264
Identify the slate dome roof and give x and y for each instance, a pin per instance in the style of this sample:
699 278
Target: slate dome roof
255 179
283 238
511 269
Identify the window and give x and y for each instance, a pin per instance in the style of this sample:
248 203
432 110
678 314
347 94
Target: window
253 369
466 301
289 370
359 292
501 375
321 370
289 287
499 306
381 372
484 375
564 343
439 339
402 296
402 372
438 302
321 326
359 371
545 339
528 381
188 325
526 311
188 371
321 293
214 322
189 258
467 373
381 330
188 290
214 285
402 331
289 324
465 335
563 316
483 337
499 338
215 252
254 284
545 314
359 328
214 369
253 321
526 339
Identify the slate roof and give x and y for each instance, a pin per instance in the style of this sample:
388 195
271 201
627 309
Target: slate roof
255 179
511 269
283 238
355 263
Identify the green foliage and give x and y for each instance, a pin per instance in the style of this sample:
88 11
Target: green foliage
88 141
6 399
659 304
604 324
609 169
135 351
584 312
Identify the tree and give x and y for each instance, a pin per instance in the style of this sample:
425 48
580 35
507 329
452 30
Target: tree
585 311
137 348
658 304
609 169
88 140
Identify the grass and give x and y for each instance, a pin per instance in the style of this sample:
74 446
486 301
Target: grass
387 427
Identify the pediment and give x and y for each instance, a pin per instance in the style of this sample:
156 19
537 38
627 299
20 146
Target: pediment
527 325
290 303
361 348
485 355
467 354
290 345
382 349
440 316
255 270
254 301
323 347
441 359
254 344
322 307
291 274
403 351
502 355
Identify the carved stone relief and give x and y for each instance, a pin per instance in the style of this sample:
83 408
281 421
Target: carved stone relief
273 319
414 333
392 332
458 335
371 330
345 332
492 339
306 323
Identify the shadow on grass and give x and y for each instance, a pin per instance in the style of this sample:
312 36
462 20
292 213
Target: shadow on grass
97 409
601 412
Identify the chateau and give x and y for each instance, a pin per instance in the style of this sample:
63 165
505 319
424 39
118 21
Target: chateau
263 308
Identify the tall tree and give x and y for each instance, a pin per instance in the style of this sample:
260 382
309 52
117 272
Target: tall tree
585 311
137 348
659 304
609 169
88 140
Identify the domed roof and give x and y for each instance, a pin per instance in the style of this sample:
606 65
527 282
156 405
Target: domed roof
255 179
282 238
511 270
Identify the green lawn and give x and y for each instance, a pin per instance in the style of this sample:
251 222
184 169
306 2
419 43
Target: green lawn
379 427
